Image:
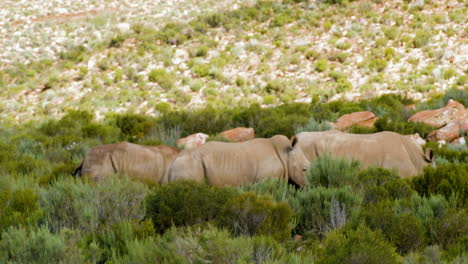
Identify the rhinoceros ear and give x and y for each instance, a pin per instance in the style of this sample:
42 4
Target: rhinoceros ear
429 155
294 141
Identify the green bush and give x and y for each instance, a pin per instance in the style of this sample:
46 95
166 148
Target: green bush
73 204
321 65
421 39
449 180
448 152
18 207
403 127
451 228
313 125
37 246
404 230
379 184
184 204
163 78
134 127
279 190
249 214
320 209
358 246
208 245
112 240
429 210
328 172
377 64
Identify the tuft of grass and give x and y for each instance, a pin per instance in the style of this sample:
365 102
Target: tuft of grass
163 78
321 65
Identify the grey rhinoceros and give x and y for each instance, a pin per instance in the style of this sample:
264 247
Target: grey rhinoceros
384 149
147 163
233 164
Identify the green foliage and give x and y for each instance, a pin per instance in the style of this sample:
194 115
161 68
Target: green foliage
379 184
185 203
451 228
403 127
320 209
449 180
163 78
448 152
73 204
429 211
75 54
37 246
359 246
328 172
279 190
421 39
249 214
18 207
111 240
134 127
321 65
313 125
275 86
377 64
404 230
209 245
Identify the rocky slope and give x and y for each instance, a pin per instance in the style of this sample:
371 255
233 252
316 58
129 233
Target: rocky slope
110 56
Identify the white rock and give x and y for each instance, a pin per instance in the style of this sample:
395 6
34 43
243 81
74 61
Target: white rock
437 72
91 63
124 27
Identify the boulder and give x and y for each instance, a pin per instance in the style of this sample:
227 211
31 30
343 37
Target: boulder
364 118
192 141
451 131
239 134
439 117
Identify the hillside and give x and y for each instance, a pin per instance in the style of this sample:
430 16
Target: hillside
151 56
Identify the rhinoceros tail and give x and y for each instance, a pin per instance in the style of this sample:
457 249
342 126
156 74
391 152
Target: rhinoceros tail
77 171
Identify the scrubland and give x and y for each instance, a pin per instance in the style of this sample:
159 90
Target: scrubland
161 70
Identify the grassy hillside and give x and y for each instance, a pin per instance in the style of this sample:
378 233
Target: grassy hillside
74 75
148 56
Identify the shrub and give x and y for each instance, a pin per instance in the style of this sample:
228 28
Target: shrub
279 190
403 127
421 39
360 246
249 214
451 228
209 245
404 230
112 240
269 99
133 127
379 184
320 209
313 125
275 86
377 64
458 249
447 179
429 210
328 172
163 78
73 204
18 207
184 204
37 246
321 65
